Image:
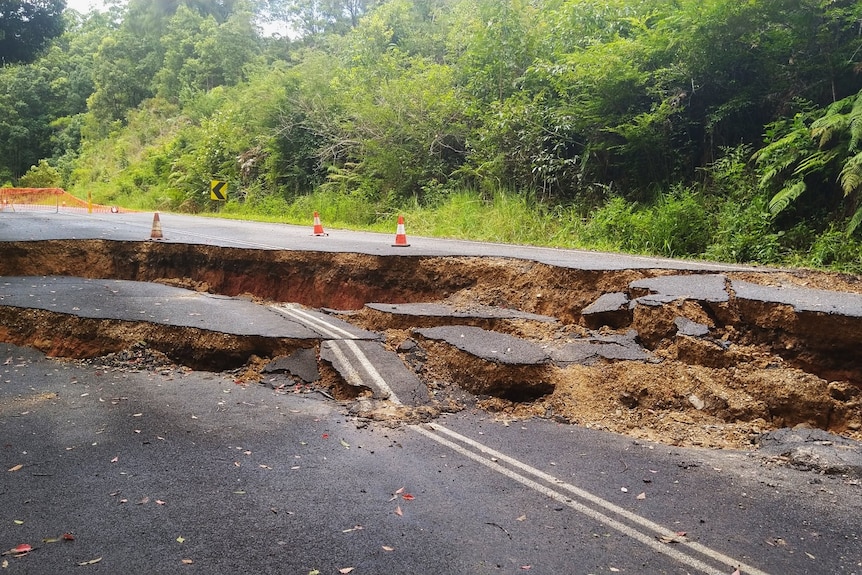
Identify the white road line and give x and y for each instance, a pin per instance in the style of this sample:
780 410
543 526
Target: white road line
352 377
353 374
579 507
339 334
317 323
372 371
641 522
615 509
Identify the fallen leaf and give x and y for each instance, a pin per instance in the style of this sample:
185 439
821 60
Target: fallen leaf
5 564
159 502
398 511
614 569
186 561
408 497
345 445
355 528
401 490
68 537
526 567
22 549
181 539
736 572
641 496
18 522
522 518
51 540
388 548
810 556
90 562
137 414
116 459
346 570
314 572
325 436
16 468
144 501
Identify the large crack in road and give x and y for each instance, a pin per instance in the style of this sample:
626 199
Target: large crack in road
629 351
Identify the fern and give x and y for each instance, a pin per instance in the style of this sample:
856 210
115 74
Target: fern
786 196
813 163
854 221
851 174
855 124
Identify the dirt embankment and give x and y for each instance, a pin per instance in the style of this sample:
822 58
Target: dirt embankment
759 368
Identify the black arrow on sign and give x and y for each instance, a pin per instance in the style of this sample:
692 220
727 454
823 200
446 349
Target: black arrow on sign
217 190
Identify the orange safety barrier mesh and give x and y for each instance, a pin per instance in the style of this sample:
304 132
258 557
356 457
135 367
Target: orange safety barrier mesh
48 199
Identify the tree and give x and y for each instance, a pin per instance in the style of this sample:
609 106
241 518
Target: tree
311 18
26 27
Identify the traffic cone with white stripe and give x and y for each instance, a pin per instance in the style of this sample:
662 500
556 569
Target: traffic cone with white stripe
318 228
400 236
156 233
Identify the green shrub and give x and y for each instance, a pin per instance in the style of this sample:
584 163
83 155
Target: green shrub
836 250
42 175
744 233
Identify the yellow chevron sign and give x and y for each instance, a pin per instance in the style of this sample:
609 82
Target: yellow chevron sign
218 190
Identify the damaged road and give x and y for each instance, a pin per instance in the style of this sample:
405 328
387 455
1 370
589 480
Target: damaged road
686 353
429 348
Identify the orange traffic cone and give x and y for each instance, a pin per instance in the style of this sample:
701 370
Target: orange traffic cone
318 229
400 236
156 234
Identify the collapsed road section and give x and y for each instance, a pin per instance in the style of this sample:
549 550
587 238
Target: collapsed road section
712 359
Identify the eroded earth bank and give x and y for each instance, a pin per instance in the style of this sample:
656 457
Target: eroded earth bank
710 360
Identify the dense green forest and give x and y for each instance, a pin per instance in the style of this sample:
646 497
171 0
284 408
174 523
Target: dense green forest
724 129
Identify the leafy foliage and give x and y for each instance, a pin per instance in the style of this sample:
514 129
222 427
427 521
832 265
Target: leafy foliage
41 175
27 26
820 152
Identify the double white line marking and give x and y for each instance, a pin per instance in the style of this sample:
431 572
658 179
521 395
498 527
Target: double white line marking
314 322
342 337
647 532
638 528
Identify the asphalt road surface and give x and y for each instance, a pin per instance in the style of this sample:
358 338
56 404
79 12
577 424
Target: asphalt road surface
136 468
28 226
172 471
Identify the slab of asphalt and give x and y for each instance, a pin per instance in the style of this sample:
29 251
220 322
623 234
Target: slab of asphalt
705 287
369 364
150 302
439 310
488 345
589 350
803 299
